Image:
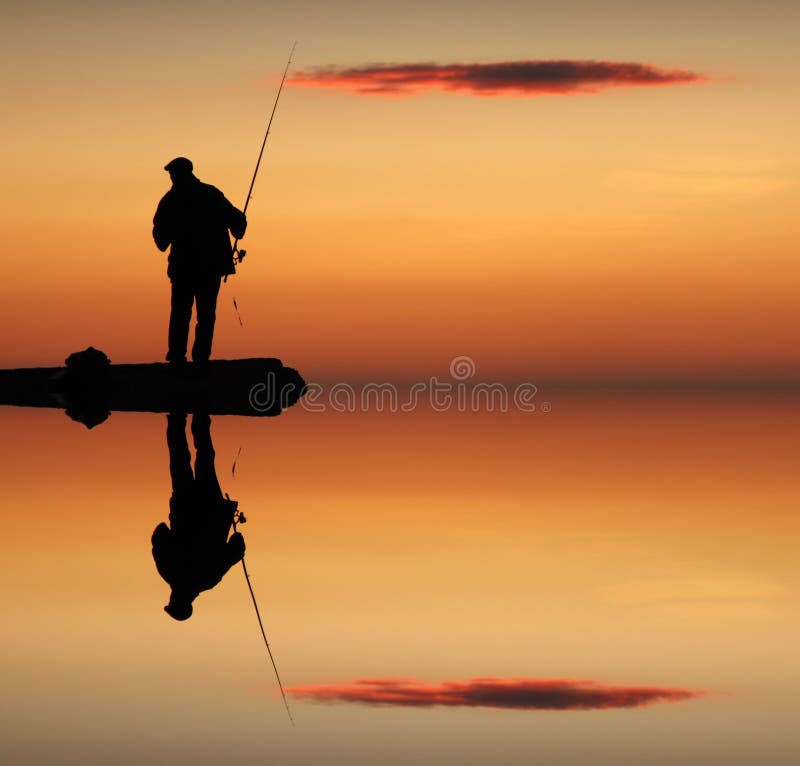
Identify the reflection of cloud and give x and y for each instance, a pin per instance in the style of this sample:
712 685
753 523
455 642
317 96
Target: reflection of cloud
520 78
508 693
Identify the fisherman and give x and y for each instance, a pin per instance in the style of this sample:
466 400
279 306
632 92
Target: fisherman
194 552
194 218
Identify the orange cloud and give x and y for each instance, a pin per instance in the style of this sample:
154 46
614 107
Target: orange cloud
519 78
507 693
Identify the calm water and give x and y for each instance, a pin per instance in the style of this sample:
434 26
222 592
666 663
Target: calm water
629 539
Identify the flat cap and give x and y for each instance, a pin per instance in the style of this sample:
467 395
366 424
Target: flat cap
179 165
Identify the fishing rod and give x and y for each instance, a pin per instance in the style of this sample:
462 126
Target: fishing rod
238 255
239 518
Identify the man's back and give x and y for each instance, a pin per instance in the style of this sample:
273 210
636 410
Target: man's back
195 218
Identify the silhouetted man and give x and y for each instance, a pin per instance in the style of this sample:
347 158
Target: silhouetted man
195 218
193 553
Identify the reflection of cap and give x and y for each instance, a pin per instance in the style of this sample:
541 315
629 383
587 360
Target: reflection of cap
179 165
178 609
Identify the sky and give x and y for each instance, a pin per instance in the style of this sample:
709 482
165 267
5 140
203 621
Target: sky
645 230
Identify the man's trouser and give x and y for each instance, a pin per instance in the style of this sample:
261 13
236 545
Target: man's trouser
201 291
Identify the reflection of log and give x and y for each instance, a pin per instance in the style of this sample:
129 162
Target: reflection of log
255 387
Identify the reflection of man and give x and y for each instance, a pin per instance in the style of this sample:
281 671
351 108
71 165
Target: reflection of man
195 218
193 553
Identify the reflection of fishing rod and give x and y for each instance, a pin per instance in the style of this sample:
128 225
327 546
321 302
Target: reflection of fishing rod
238 518
238 255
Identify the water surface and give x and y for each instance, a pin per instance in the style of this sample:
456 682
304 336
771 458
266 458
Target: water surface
628 538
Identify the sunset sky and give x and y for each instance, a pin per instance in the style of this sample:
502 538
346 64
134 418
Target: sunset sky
576 192
645 230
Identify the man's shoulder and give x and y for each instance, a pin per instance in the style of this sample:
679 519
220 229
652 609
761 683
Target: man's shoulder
212 198
191 191
165 200
210 190
160 534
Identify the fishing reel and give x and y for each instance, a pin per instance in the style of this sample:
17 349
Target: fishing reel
238 516
238 255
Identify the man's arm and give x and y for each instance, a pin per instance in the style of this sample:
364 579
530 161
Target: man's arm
235 220
163 552
162 229
234 549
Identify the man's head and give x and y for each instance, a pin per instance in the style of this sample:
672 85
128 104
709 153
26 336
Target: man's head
179 169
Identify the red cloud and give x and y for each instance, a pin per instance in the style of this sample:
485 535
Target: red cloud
521 78
509 693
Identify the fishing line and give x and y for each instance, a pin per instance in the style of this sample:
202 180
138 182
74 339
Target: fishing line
235 461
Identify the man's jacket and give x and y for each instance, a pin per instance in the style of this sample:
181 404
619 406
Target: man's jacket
194 564
195 218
